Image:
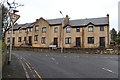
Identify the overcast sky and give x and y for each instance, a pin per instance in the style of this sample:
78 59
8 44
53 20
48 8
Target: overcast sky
75 9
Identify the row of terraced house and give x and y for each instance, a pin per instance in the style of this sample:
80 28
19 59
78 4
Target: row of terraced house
83 33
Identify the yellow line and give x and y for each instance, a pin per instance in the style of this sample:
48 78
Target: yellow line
38 75
27 63
26 73
28 66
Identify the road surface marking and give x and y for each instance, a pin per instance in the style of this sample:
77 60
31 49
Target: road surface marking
53 59
38 74
26 73
28 66
108 70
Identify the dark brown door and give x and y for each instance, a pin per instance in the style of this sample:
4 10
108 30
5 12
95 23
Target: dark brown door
55 42
30 40
78 42
102 41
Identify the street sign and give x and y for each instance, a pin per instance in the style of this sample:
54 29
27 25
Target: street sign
14 17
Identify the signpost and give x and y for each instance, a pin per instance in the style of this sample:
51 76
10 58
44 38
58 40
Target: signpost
13 18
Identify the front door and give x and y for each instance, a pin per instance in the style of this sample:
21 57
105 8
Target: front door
30 40
55 42
78 42
102 41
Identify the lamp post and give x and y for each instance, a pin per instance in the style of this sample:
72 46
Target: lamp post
62 34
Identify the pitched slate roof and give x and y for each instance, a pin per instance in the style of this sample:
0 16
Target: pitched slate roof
84 22
23 26
73 23
55 21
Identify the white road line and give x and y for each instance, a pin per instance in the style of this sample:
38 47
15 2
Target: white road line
54 60
108 70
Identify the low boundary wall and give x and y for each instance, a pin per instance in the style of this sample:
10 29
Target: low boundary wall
71 50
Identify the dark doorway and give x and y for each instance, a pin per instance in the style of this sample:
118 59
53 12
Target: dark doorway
30 40
13 41
78 42
55 42
102 41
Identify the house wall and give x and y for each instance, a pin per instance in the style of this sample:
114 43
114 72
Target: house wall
50 35
41 23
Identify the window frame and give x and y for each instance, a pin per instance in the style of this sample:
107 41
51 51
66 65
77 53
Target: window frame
77 29
19 39
35 37
9 32
67 30
68 40
43 40
44 30
101 28
90 40
20 31
36 27
56 30
89 29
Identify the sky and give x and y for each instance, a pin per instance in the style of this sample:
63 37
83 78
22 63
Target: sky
75 9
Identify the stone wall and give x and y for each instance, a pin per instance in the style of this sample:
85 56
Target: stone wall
71 50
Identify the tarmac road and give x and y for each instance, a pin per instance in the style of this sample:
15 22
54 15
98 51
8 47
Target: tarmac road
59 65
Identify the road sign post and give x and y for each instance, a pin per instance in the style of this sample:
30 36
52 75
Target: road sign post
13 18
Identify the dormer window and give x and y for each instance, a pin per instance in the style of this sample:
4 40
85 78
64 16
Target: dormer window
56 30
9 32
20 31
68 30
90 28
36 28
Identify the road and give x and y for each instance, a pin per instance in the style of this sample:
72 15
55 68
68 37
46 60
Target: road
64 65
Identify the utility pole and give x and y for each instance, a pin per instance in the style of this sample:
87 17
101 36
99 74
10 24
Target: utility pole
62 46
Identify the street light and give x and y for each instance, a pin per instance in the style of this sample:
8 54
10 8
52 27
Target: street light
62 33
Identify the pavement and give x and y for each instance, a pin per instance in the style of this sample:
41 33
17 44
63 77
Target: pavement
14 69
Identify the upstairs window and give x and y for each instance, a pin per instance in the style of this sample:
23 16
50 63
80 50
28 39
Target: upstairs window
20 31
68 30
90 40
44 30
90 28
30 30
9 32
13 31
101 28
36 28
77 29
56 30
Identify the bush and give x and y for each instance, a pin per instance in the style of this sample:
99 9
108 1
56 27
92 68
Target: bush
117 40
